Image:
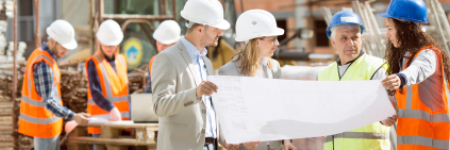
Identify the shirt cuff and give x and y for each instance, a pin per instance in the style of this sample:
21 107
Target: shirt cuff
110 107
69 115
402 79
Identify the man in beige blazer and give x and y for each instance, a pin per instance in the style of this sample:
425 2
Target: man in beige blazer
181 92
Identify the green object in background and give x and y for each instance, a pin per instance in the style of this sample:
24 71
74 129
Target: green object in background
137 52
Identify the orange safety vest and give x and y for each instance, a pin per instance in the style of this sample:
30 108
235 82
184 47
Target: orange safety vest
114 88
150 64
35 120
423 113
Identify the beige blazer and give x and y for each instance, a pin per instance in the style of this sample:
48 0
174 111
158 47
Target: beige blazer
182 118
232 69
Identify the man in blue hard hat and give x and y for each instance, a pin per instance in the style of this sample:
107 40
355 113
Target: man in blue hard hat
345 33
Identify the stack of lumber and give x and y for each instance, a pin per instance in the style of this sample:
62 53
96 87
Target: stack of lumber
7 107
74 90
137 79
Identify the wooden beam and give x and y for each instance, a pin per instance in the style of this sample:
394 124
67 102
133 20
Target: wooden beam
36 19
108 141
122 17
14 121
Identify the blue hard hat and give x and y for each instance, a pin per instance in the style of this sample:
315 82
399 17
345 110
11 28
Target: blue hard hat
410 10
344 17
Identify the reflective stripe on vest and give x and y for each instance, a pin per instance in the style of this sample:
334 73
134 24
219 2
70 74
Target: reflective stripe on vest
38 103
34 119
39 120
114 93
423 141
112 100
423 122
373 136
106 117
358 135
420 114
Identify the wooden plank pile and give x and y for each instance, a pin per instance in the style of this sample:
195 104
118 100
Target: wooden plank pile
74 90
7 107
137 79
145 136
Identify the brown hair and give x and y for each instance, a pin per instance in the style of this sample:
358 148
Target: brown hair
102 54
250 59
410 38
193 27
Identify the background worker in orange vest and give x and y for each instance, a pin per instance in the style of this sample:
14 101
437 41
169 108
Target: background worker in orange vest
41 109
166 35
419 74
108 96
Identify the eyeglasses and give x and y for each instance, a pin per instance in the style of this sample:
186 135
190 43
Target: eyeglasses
274 40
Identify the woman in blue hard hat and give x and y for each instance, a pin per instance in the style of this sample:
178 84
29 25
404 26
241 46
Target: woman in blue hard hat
258 28
418 76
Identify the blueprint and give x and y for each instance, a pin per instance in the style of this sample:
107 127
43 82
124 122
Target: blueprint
258 109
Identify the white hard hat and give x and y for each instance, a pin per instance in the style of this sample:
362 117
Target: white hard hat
62 32
206 12
256 23
168 32
109 33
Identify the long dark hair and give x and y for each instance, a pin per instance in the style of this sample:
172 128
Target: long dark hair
410 38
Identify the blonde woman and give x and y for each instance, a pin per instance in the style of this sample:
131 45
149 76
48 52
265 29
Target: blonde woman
258 29
108 97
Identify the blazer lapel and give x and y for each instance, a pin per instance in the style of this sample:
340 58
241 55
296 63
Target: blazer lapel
209 67
194 72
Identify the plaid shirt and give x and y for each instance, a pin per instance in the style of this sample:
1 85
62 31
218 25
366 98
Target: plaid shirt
43 80
95 87
148 85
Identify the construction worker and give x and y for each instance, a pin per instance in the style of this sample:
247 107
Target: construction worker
345 33
107 76
41 109
258 29
181 92
166 35
418 76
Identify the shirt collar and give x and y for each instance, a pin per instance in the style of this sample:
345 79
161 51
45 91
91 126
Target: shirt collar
46 48
339 60
192 50
264 61
109 59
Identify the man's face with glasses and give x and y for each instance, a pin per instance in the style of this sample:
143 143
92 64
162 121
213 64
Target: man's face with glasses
267 45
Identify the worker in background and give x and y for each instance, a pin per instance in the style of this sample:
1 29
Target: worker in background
166 35
181 92
258 29
107 76
41 109
345 33
418 77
